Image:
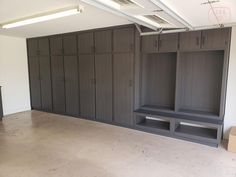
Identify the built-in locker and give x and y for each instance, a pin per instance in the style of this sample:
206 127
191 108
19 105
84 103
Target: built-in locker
58 77
71 74
123 88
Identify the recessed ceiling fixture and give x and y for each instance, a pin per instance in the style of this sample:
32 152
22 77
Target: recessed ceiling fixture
149 21
43 17
119 4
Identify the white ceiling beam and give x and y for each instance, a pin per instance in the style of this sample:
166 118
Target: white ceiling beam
170 12
119 13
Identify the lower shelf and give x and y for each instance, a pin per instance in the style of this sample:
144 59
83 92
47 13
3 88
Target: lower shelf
155 124
197 131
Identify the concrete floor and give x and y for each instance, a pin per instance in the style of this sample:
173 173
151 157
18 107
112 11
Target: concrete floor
34 144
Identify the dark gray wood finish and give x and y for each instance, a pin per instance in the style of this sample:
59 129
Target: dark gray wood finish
168 42
71 85
45 82
87 86
158 87
85 43
32 45
70 45
58 84
1 110
149 43
43 47
200 82
123 88
103 41
35 90
71 74
190 41
56 47
123 40
215 38
103 69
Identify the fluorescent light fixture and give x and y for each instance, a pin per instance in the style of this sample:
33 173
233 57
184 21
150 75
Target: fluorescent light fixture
43 17
110 3
146 20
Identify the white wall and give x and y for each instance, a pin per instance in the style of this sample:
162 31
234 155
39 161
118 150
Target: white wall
230 112
14 75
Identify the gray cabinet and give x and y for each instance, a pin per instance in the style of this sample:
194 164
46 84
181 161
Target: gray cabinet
71 74
123 39
215 38
85 43
123 88
103 41
35 90
1 111
149 44
87 86
103 69
190 40
58 77
168 42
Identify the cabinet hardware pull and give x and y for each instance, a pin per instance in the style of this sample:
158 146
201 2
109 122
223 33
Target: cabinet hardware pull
203 40
197 40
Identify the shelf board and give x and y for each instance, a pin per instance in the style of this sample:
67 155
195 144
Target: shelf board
158 108
197 131
161 125
207 113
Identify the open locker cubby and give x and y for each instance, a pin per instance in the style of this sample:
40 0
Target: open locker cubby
200 82
158 81
199 132
153 123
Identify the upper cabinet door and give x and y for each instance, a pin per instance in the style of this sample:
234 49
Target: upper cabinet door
32 47
149 43
85 43
168 42
123 39
103 41
44 46
56 45
190 40
215 38
69 45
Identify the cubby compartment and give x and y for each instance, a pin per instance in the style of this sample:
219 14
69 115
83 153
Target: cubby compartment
158 81
153 123
200 82
196 131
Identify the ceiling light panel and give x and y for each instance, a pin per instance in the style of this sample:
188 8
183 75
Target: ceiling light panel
42 17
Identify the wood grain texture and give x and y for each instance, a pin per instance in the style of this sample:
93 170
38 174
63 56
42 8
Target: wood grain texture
70 44
168 42
45 80
123 88
200 81
190 40
103 41
85 43
71 85
58 84
87 86
158 80
123 40
149 44
56 47
103 68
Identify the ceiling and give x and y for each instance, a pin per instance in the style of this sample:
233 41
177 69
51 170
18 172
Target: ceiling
91 18
194 12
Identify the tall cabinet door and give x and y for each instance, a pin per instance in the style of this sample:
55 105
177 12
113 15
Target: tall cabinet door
103 63
87 86
85 43
123 88
34 82
71 75
45 74
103 74
57 67
190 40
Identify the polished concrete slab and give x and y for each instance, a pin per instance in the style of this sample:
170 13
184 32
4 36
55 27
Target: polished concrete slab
37 144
